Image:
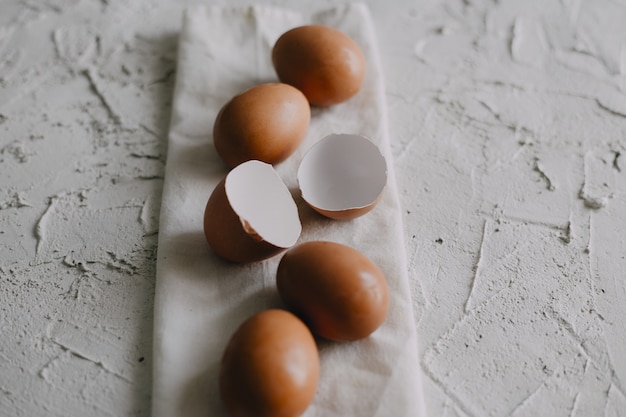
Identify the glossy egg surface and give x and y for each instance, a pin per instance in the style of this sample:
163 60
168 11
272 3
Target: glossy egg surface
270 367
325 64
266 122
340 293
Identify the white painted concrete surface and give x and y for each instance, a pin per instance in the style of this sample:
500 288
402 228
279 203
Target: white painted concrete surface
508 122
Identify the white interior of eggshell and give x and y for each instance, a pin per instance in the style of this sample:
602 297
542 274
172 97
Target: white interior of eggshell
342 172
263 203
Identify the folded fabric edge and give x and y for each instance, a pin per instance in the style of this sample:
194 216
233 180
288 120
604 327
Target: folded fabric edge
381 102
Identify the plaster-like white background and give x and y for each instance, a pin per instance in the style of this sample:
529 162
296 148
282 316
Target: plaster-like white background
508 123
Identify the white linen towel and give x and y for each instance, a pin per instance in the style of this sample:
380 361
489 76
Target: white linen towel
200 300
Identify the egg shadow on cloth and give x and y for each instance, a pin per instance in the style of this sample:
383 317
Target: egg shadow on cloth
235 87
207 279
201 392
218 295
199 163
314 225
199 388
201 395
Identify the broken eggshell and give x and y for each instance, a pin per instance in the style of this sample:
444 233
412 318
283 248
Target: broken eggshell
343 176
251 214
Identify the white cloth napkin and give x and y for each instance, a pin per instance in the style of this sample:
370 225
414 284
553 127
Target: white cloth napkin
200 300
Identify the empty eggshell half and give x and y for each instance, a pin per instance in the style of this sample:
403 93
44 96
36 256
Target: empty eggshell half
251 214
343 176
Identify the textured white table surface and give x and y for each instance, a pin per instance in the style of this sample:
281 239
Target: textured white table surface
508 123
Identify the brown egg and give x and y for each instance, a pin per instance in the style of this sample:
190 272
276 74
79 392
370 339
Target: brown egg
267 123
251 215
338 292
270 367
322 62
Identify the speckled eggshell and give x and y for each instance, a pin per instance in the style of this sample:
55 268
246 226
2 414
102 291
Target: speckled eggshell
270 367
324 63
339 293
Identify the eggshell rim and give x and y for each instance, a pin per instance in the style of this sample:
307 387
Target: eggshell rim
263 195
364 140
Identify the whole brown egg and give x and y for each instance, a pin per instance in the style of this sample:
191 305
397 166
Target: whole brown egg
270 367
324 63
337 291
266 122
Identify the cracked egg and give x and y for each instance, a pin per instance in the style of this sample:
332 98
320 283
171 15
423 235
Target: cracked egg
343 176
251 215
